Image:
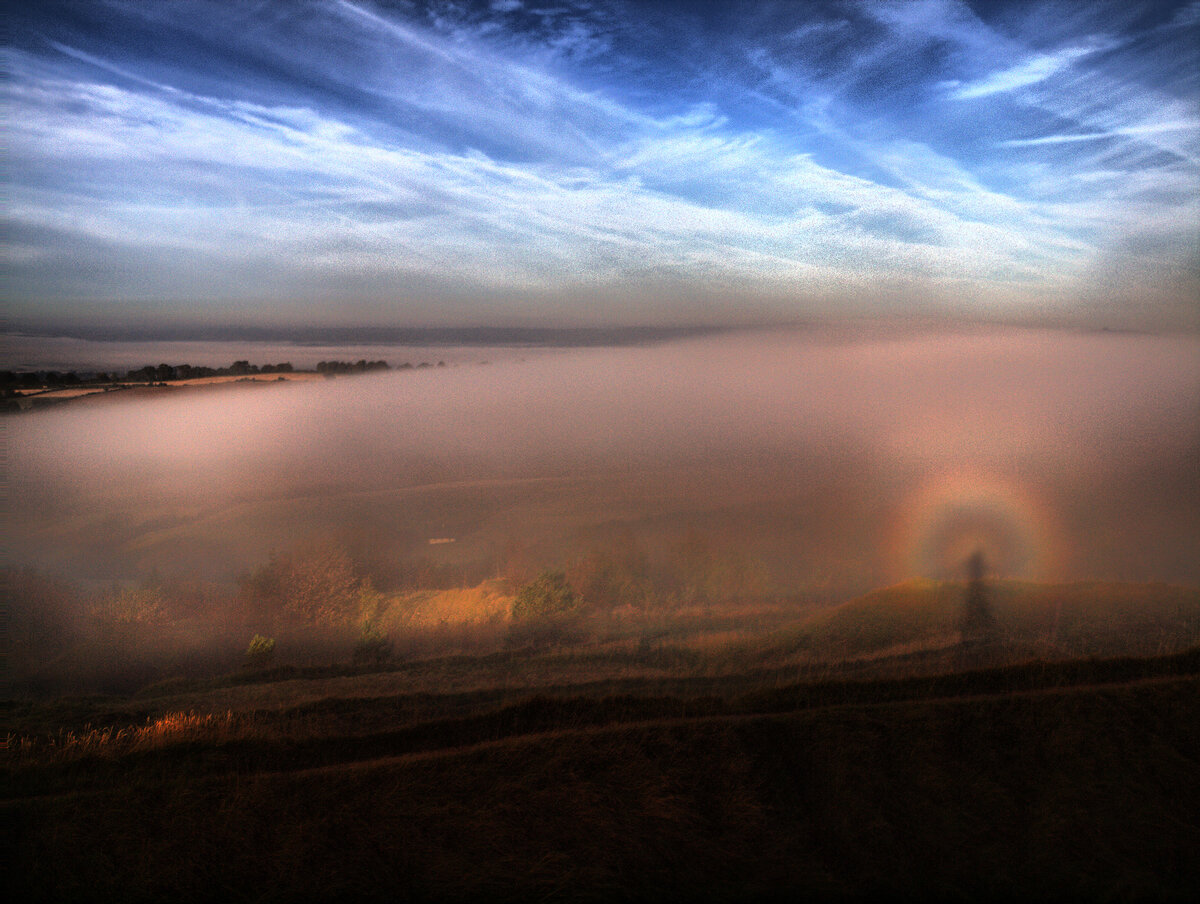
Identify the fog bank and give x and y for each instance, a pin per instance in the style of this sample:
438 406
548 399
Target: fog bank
837 461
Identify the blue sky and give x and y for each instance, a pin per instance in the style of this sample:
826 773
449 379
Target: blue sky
357 162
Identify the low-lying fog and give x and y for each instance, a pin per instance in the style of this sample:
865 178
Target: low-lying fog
840 463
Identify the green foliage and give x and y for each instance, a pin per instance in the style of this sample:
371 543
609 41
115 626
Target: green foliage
373 646
261 652
371 603
544 612
548 594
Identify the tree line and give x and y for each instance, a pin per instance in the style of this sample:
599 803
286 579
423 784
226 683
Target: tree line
151 373
10 381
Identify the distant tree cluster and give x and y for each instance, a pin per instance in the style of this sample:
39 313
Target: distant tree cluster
11 380
12 383
346 367
143 604
165 372
613 574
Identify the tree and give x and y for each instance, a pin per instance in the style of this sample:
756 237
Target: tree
689 568
314 583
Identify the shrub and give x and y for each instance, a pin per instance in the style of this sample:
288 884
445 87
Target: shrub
546 595
544 612
261 652
373 646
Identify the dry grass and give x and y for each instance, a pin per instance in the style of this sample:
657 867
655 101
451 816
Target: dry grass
1079 792
111 741
489 601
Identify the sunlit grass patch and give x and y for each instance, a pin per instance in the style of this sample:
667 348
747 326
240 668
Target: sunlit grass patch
111 741
486 602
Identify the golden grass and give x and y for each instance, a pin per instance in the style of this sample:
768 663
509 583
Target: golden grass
487 602
111 741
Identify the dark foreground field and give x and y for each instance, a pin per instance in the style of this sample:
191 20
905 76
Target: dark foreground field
1044 781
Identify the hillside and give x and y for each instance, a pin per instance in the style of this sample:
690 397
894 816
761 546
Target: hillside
1041 782
1047 620
854 754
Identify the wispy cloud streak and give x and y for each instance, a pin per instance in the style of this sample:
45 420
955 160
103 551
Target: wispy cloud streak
1029 73
497 162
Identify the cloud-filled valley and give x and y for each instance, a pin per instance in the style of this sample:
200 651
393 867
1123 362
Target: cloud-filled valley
815 450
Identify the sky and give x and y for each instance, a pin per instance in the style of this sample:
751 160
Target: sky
334 162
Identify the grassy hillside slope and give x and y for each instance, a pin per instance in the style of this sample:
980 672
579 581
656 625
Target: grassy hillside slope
1093 619
1044 781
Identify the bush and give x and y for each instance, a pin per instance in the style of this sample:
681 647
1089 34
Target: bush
546 595
373 646
261 652
544 612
